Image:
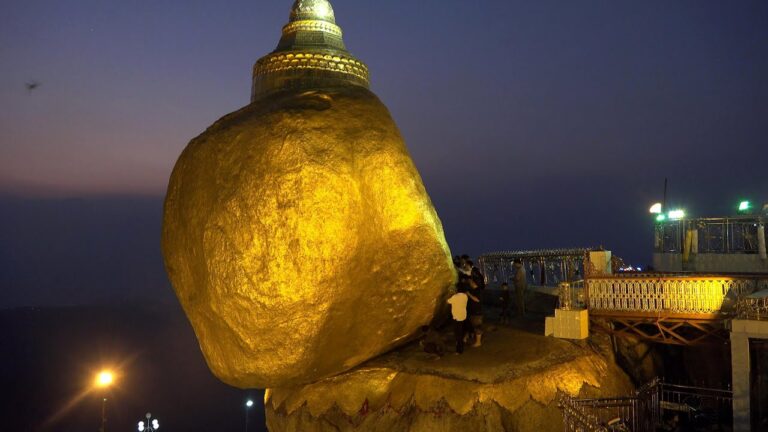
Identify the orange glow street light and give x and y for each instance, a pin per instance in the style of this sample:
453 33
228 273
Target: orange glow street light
104 380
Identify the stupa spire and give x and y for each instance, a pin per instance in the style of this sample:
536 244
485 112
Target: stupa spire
311 54
315 10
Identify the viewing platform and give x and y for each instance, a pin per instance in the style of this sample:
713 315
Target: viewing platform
681 308
735 244
678 309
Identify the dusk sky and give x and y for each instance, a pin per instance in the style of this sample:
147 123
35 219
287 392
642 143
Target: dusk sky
533 123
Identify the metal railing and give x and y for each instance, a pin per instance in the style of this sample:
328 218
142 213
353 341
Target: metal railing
546 267
606 414
707 405
646 409
729 235
752 308
664 294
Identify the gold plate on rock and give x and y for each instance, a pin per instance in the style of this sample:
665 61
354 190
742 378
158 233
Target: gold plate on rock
300 240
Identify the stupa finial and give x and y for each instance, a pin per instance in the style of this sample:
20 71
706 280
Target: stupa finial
316 10
311 54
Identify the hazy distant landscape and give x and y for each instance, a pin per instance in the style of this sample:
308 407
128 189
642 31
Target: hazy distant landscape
81 251
101 259
49 356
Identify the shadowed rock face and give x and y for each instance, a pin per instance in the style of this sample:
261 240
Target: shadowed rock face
300 240
508 384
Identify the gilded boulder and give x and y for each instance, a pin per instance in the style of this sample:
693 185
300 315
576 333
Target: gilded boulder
300 240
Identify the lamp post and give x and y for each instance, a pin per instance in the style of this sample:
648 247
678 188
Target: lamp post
104 379
151 425
248 405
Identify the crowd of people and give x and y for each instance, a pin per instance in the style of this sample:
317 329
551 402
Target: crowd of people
467 306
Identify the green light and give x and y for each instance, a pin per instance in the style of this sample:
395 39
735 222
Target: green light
661 218
745 205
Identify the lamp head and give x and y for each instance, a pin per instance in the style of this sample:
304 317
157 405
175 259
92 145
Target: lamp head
104 379
676 214
745 206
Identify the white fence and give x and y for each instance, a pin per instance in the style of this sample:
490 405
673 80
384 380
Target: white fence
669 294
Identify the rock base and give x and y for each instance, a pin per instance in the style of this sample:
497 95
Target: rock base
508 384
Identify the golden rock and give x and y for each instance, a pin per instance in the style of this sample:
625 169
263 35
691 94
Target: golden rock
297 233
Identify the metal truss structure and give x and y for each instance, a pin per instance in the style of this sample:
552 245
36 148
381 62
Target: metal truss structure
670 331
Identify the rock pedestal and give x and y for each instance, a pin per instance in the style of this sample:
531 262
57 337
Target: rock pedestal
508 384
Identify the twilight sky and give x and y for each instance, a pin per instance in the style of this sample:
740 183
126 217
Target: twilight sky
533 123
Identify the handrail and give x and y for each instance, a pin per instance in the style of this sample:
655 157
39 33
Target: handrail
680 275
670 295
752 308
640 412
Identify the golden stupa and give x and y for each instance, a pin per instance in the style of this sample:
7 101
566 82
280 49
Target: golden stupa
297 232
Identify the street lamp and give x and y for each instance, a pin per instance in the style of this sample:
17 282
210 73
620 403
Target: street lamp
745 207
150 425
248 405
676 214
104 380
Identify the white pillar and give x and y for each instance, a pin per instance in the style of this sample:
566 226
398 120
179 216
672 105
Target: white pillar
741 332
761 241
740 372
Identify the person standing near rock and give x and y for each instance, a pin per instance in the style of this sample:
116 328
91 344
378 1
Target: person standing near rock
521 284
458 304
475 310
477 275
504 299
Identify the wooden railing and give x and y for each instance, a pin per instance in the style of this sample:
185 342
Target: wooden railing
708 297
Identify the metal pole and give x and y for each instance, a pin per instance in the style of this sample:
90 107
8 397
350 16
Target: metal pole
103 415
246 418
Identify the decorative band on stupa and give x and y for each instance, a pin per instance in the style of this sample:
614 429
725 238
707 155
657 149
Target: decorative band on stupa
311 54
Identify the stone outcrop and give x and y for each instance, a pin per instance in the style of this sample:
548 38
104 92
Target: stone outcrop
508 384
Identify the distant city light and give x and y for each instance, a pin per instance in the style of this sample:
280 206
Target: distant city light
630 268
105 379
249 403
661 218
744 206
150 426
656 208
676 214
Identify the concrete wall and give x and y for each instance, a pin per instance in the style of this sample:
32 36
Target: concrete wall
741 332
668 262
711 263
